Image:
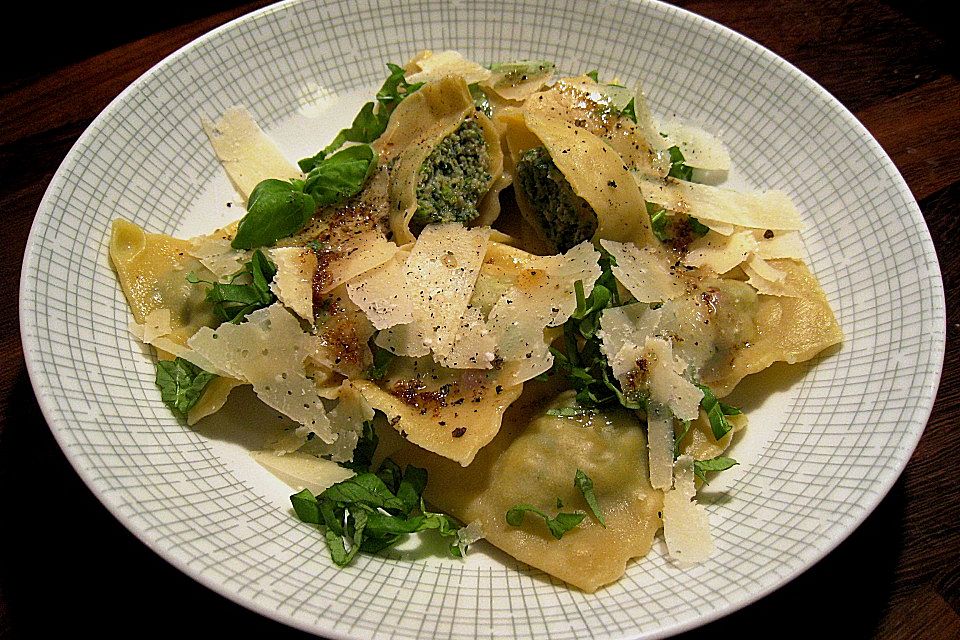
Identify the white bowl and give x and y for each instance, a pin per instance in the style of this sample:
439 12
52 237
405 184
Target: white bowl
827 440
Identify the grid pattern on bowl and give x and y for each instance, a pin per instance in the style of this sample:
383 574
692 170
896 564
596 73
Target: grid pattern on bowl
854 417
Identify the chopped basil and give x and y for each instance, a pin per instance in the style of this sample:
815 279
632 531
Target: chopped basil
181 383
720 463
630 110
365 449
593 75
583 482
717 412
232 302
480 100
370 123
381 360
678 166
557 525
678 438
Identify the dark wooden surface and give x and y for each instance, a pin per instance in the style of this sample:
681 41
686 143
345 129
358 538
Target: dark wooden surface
67 567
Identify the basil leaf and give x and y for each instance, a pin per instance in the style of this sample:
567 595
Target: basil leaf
340 176
395 88
411 487
367 126
365 488
678 166
381 360
233 302
306 507
558 525
391 474
365 449
583 482
593 75
720 463
181 383
630 110
276 209
716 412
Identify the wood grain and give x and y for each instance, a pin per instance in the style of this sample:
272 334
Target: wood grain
67 567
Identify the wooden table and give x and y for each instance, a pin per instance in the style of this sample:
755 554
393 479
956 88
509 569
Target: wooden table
67 567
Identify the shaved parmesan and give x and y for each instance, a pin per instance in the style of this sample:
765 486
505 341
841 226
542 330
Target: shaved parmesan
767 279
433 66
542 296
354 257
268 351
441 272
302 470
382 293
686 527
246 153
644 271
157 324
700 149
660 446
767 210
629 324
721 253
654 369
786 244
293 284
215 253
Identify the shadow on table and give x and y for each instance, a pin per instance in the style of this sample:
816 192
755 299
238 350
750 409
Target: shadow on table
67 567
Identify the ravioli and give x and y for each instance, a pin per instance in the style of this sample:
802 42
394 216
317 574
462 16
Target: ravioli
534 460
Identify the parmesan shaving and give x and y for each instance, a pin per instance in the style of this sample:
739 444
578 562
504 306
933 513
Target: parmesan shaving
767 210
302 470
767 279
293 284
700 149
246 153
433 66
157 324
357 256
542 296
268 351
660 446
655 370
686 526
382 293
441 272
645 272
215 253
721 253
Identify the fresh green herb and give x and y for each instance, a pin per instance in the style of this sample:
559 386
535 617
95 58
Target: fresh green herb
340 176
559 503
232 302
583 482
582 359
557 525
659 221
666 228
480 99
678 166
363 513
720 463
275 209
395 88
593 75
630 110
381 360
365 449
370 123
181 383
717 412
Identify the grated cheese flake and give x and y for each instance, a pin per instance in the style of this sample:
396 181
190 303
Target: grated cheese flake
686 526
655 370
433 66
293 284
302 470
215 253
660 446
268 351
247 154
644 271
712 205
441 272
